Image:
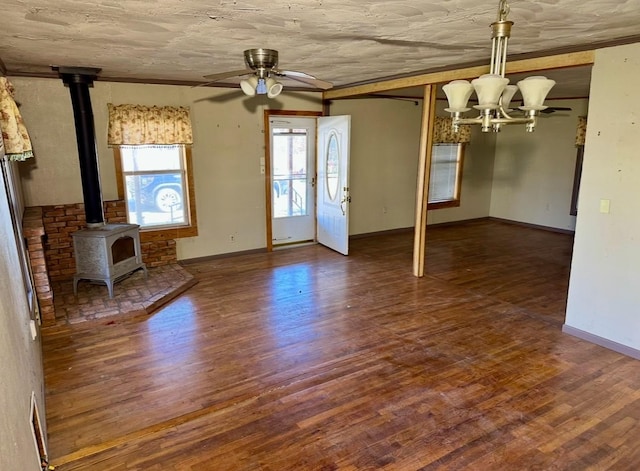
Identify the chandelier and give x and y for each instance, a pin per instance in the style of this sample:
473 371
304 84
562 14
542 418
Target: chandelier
493 89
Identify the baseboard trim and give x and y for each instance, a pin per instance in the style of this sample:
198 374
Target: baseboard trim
606 343
190 261
533 226
401 230
459 222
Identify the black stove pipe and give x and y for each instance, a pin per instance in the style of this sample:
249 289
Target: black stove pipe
78 80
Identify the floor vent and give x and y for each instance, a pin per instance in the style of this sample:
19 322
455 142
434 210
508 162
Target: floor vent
38 435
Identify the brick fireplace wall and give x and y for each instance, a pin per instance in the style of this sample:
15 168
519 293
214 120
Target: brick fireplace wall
60 221
33 231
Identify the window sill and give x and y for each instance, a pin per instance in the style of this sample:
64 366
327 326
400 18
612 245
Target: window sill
443 204
148 235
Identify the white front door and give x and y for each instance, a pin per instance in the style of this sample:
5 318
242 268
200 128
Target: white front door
333 182
292 179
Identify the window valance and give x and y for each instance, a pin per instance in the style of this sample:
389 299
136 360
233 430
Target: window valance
139 125
581 132
17 144
443 132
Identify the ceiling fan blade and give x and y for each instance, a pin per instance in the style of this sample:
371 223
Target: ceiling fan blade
553 109
232 73
293 73
309 81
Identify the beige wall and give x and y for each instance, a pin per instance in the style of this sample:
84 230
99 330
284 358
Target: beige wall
385 142
477 175
229 142
533 173
228 145
20 357
604 299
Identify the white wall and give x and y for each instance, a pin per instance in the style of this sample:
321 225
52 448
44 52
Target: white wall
604 299
533 173
20 357
228 145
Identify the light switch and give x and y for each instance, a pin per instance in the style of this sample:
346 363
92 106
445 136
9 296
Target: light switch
604 206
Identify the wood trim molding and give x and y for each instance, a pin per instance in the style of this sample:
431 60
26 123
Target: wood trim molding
171 233
559 61
267 180
117 162
267 164
424 170
455 202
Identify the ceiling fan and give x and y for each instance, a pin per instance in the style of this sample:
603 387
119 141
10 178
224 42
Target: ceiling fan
553 109
262 66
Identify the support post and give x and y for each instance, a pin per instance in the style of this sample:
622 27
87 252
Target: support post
424 170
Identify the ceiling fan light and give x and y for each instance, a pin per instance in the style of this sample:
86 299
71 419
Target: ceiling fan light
249 85
458 93
489 87
534 90
273 87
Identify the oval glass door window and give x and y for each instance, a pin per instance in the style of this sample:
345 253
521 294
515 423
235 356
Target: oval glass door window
333 164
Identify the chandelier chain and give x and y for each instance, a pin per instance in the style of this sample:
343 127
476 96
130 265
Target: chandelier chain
503 10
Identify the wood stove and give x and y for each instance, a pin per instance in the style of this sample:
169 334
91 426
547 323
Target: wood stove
103 252
107 254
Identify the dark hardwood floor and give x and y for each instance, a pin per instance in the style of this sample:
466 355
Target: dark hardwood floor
303 359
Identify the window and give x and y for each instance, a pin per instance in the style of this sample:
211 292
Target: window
155 183
289 163
446 175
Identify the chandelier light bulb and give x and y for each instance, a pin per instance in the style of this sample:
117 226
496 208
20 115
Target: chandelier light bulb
507 96
458 93
489 87
534 90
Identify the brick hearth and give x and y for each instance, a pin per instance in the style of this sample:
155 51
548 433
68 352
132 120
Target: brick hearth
135 295
48 230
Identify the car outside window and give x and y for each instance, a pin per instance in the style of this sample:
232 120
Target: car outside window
155 185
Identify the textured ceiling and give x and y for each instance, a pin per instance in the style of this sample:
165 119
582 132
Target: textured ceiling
341 41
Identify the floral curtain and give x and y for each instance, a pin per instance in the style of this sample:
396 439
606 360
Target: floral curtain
443 132
17 145
581 131
138 124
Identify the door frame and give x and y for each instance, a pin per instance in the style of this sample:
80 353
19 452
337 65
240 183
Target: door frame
267 162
